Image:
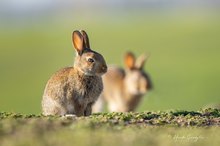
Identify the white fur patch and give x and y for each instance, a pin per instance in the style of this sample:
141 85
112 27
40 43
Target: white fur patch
113 107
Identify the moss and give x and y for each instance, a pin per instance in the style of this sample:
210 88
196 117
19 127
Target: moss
206 117
143 128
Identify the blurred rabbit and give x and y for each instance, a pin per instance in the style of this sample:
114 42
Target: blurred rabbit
124 88
73 90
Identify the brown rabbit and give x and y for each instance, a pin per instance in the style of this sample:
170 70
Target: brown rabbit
73 90
124 88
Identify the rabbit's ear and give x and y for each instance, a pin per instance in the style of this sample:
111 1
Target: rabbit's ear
85 38
78 43
141 61
129 60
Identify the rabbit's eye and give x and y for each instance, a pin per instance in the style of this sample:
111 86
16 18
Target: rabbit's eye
91 60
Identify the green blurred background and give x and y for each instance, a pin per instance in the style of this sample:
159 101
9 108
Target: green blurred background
183 38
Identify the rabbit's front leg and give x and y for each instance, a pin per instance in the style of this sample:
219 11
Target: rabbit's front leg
88 110
79 109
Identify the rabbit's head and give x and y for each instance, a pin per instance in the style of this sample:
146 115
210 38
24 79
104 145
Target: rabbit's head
87 61
137 82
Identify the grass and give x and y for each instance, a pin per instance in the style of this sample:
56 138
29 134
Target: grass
144 128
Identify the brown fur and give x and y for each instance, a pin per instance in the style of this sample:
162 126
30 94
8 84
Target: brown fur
124 88
73 90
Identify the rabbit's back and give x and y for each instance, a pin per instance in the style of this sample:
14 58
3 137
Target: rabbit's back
113 90
57 81
114 73
54 100
113 79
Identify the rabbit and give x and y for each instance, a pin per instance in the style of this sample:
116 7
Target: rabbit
73 90
124 88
